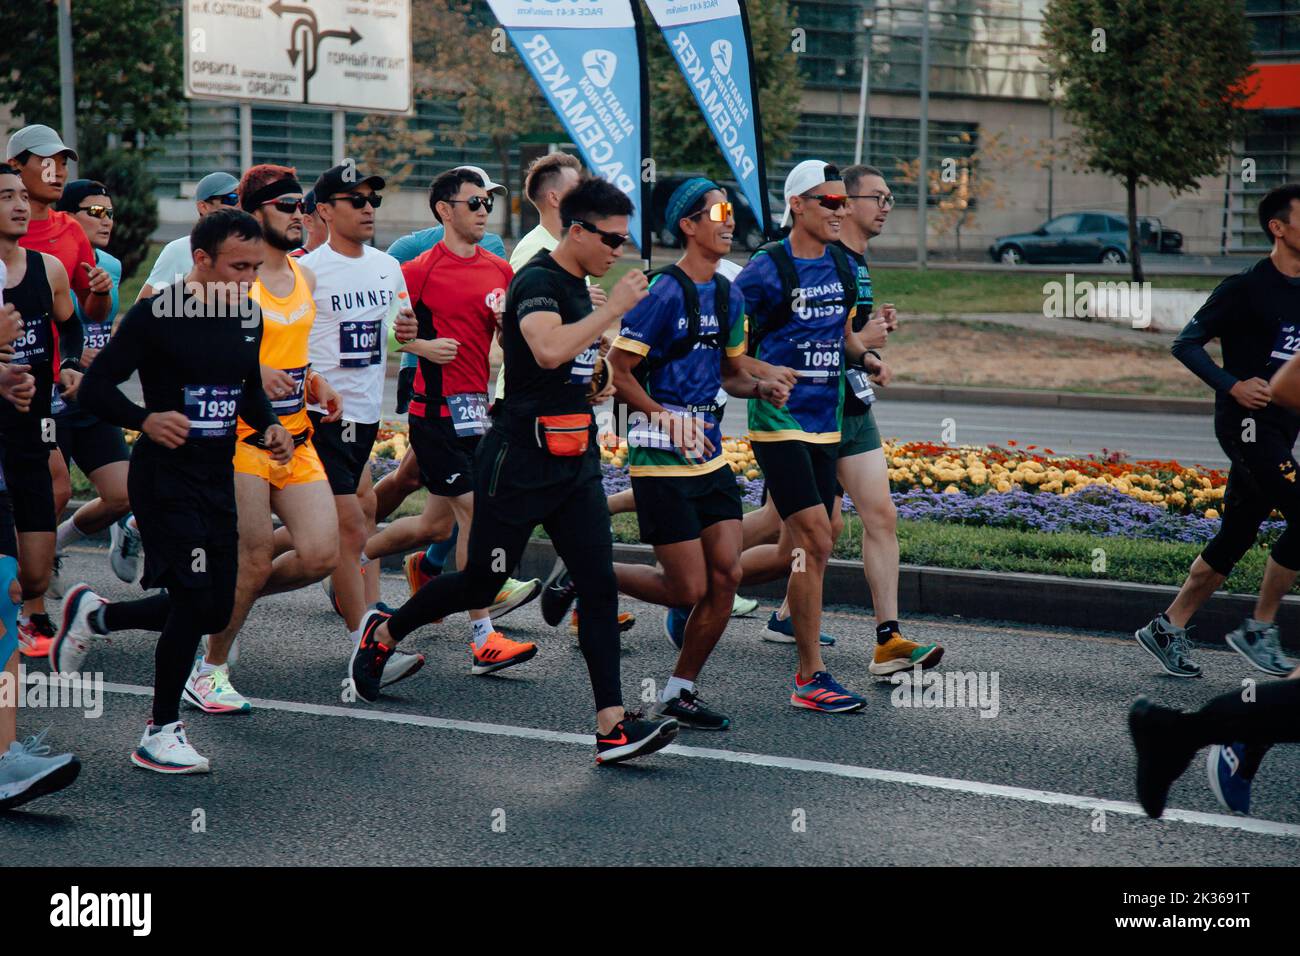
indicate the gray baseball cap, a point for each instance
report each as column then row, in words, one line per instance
column 216, row 184
column 38, row 140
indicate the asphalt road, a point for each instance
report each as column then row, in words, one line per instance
column 423, row 776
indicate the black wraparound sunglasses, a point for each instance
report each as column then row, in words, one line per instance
column 612, row 239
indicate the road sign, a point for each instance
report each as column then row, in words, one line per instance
column 325, row 53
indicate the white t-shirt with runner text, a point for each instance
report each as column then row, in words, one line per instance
column 355, row 300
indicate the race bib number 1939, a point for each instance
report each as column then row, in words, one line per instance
column 211, row 409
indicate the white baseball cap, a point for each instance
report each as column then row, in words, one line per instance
column 809, row 174
column 38, row 140
column 488, row 184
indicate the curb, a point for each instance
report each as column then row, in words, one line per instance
column 1045, row 600
column 1027, row 398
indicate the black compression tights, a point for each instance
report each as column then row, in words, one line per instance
column 1273, row 717
column 182, row 616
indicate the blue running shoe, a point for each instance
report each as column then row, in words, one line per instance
column 675, row 625
column 1223, row 767
column 782, row 632
column 822, row 693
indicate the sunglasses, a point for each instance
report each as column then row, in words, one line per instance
column 97, row 211
column 287, row 205
column 475, row 203
column 229, row 199
column 718, row 212
column 884, row 202
column 831, row 201
column 359, row 202
column 612, row 239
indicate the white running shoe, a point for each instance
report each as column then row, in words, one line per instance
column 71, row 644
column 399, row 666
column 231, row 659
column 125, row 550
column 55, row 588
column 212, row 692
column 28, row 771
column 740, row 606
column 168, row 751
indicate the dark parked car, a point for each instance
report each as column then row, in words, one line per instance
column 1084, row 237
column 748, row 234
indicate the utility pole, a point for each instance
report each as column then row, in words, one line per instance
column 923, row 179
column 67, row 90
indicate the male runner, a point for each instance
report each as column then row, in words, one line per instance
column 861, row 468
column 394, row 488
column 800, row 295
column 195, row 348
column 1255, row 315
column 359, row 294
column 96, row 447
column 218, row 190
column 42, row 158
column 297, row 492
column 315, row 232
column 458, row 289
column 27, row 770
column 539, row 464
column 679, row 347
column 38, row 288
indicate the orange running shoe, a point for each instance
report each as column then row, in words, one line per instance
column 35, row 637
column 416, row 576
column 498, row 652
column 626, row 621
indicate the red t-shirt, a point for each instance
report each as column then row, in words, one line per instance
column 62, row 237
column 452, row 296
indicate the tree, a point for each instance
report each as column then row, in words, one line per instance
column 681, row 139
column 461, row 54
column 961, row 185
column 1156, row 88
column 127, row 62
column 389, row 143
column 127, row 58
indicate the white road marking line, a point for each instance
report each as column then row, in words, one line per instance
column 1045, row 797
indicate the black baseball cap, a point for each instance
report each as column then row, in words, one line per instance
column 343, row 178
column 78, row 190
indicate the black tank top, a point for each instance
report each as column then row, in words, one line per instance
column 34, row 301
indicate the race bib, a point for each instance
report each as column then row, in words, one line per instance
column 97, row 334
column 648, row 433
column 211, row 409
column 468, row 413
column 57, row 404
column 359, row 343
column 1286, row 343
column 32, row 347
column 861, row 385
column 294, row 402
column 584, row 365
column 819, row 362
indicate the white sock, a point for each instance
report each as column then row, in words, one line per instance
column 674, row 686
column 68, row 532
column 130, row 523
column 364, row 559
column 206, row 668
column 355, row 636
column 482, row 631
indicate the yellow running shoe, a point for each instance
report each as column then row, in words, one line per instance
column 900, row 654
column 514, row 594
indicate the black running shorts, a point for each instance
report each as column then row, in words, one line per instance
column 344, row 448
column 676, row 508
column 798, row 474
column 446, row 460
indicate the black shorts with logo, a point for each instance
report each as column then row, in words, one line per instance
column 91, row 446
column 673, row 508
column 798, row 474
column 446, row 459
column 25, row 457
column 344, row 448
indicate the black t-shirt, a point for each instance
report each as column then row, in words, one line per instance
column 1255, row 315
column 543, row 285
column 203, row 365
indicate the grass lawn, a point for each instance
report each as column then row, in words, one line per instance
column 953, row 292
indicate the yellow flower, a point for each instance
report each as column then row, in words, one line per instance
column 951, row 490
column 1209, row 512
